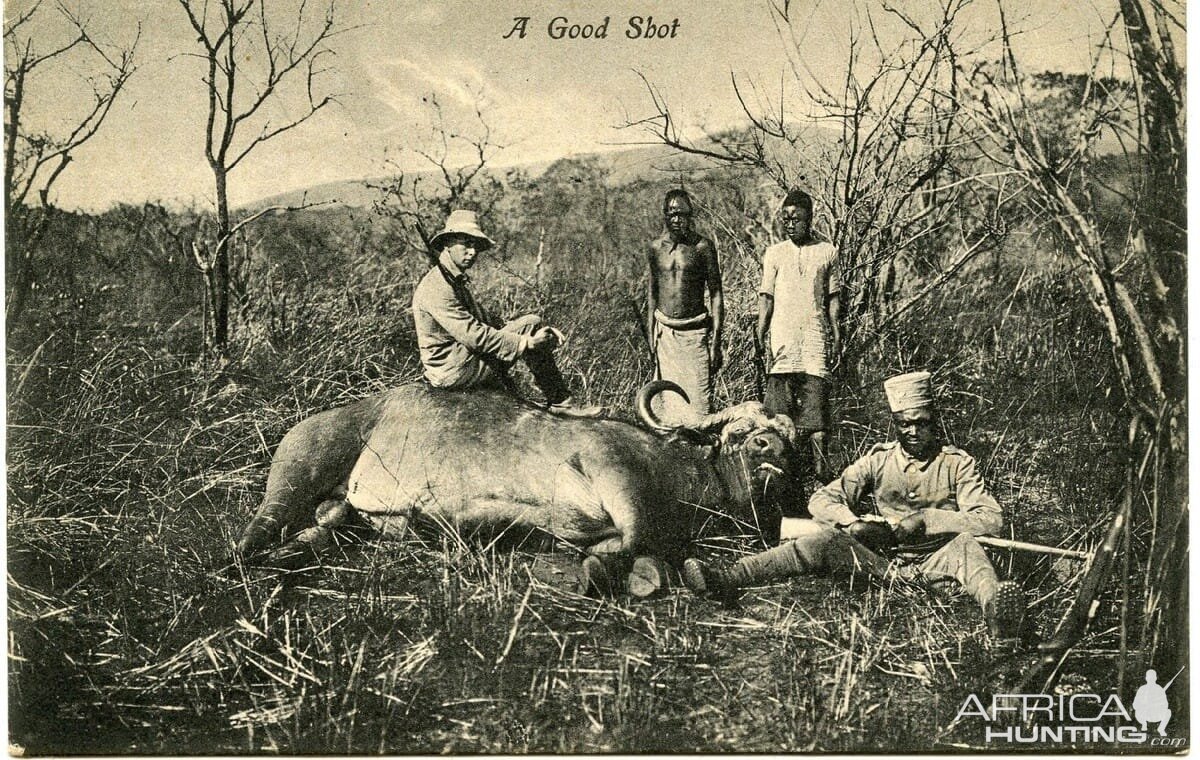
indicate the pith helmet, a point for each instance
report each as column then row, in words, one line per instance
column 462, row 222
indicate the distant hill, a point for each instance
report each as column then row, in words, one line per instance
column 623, row 166
column 651, row 162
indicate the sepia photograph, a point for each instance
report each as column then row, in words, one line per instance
column 413, row 377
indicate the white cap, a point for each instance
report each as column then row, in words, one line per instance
column 909, row 391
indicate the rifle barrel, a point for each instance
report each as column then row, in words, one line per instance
column 1005, row 543
column 1173, row 679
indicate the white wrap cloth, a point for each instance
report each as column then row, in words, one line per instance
column 681, row 356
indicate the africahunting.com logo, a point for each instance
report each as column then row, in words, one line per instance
column 1076, row 718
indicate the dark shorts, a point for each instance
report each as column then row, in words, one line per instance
column 803, row 397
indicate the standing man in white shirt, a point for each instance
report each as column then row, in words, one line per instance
column 798, row 304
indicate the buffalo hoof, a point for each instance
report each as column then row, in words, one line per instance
column 594, row 578
column 648, row 577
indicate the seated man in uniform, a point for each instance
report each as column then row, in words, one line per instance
column 460, row 346
column 929, row 504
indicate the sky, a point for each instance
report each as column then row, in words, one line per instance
column 543, row 98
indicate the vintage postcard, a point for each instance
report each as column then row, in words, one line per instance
column 419, row 376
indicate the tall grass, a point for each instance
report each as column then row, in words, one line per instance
column 132, row 467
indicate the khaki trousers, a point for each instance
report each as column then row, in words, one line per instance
column 822, row 550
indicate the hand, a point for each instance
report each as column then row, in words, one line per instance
column 911, row 528
column 836, row 352
column 715, row 357
column 543, row 339
column 762, row 350
column 872, row 534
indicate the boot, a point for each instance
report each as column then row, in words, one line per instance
column 706, row 581
column 1005, row 614
column 568, row 408
column 778, row 563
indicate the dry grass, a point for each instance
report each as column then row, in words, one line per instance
column 132, row 467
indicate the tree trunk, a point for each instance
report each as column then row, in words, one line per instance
column 10, row 146
column 220, row 310
column 18, row 250
column 1161, row 217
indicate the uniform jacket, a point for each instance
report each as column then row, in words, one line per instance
column 947, row 490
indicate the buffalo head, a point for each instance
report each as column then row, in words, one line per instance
column 754, row 448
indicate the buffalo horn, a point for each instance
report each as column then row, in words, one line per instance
column 647, row 394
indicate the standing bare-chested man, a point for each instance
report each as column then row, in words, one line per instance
column 685, row 334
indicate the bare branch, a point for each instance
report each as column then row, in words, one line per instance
column 248, row 64
column 23, row 168
column 274, row 211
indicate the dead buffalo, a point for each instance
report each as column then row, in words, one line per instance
column 484, row 460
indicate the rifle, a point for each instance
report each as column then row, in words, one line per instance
column 1025, row 546
column 1041, row 677
column 1168, row 684
column 758, row 366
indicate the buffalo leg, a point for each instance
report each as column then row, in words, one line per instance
column 310, row 466
column 307, row 545
column 624, row 555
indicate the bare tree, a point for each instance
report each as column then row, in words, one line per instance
column 875, row 151
column 1134, row 280
column 252, row 53
column 37, row 42
column 457, row 156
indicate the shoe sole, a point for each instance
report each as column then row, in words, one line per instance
column 599, row 413
column 693, row 577
column 647, row 577
column 1009, row 612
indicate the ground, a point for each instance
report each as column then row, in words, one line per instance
column 431, row 645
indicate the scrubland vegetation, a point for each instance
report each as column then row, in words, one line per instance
column 984, row 236
column 133, row 465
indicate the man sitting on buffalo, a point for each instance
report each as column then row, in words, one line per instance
column 460, row 346
column 929, row 504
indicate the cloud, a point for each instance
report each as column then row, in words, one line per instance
column 462, row 84
column 551, row 120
